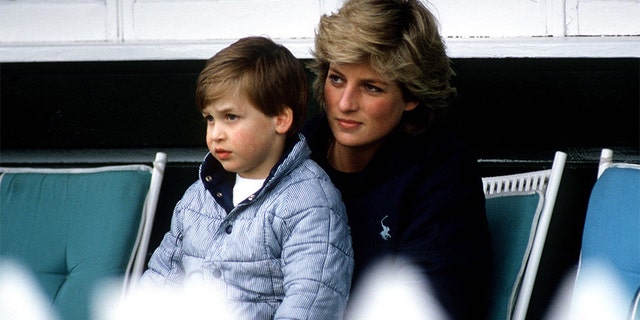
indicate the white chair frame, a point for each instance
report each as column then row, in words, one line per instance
column 547, row 182
column 138, row 259
column 606, row 161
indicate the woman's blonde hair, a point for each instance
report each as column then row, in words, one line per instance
column 401, row 41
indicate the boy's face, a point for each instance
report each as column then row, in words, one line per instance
column 242, row 138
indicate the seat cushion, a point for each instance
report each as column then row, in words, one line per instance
column 512, row 221
column 612, row 226
column 71, row 229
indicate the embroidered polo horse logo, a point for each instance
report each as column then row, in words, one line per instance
column 385, row 230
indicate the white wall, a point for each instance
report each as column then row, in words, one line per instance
column 70, row 30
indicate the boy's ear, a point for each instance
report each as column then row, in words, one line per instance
column 284, row 120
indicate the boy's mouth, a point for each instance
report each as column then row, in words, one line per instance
column 222, row 154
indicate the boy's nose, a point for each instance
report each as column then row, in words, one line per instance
column 215, row 133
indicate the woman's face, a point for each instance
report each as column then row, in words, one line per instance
column 362, row 106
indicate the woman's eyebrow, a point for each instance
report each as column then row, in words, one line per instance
column 373, row 79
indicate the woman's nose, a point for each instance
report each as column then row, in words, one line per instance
column 347, row 100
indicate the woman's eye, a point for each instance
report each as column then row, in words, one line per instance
column 371, row 88
column 334, row 78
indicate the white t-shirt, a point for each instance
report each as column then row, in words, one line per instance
column 244, row 188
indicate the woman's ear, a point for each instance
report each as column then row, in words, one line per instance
column 410, row 105
column 284, row 120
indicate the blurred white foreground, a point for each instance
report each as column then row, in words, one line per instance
column 600, row 296
column 194, row 301
column 21, row 298
column 394, row 290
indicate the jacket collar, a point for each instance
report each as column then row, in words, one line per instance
column 220, row 182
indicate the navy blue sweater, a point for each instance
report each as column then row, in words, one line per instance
column 420, row 198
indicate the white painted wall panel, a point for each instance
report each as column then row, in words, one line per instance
column 491, row 18
column 224, row 19
column 70, row 30
column 57, row 21
column 603, row 17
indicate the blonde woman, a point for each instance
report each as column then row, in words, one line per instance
column 410, row 187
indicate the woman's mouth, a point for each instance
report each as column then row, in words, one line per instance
column 347, row 124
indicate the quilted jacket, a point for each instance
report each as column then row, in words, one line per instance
column 283, row 253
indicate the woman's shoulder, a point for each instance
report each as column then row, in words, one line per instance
column 317, row 132
column 312, row 124
column 437, row 145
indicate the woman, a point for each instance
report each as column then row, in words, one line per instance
column 411, row 188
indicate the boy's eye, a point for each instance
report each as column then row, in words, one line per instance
column 231, row 117
column 208, row 118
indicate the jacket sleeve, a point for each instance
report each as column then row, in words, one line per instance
column 317, row 258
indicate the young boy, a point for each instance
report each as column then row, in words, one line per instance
column 263, row 223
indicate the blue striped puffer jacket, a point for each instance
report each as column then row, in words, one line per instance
column 283, row 253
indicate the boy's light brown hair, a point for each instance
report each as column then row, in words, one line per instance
column 270, row 76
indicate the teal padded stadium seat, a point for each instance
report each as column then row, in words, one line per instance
column 512, row 221
column 519, row 209
column 74, row 228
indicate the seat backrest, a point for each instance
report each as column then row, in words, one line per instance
column 519, row 209
column 74, row 228
column 512, row 221
column 611, row 234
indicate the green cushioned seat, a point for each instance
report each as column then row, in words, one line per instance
column 72, row 229
column 512, row 221
column 519, row 209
